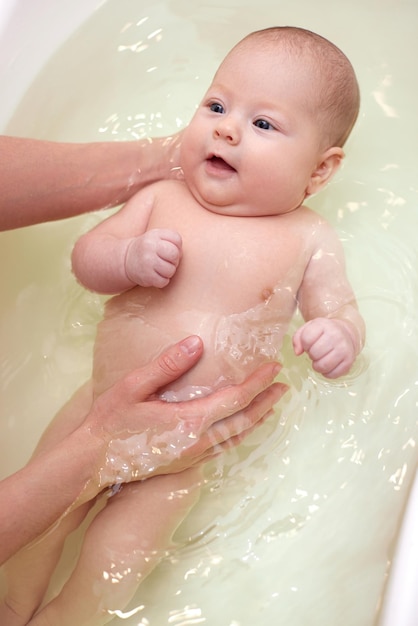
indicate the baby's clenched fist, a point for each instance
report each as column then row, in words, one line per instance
column 152, row 259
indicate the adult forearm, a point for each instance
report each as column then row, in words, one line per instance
column 44, row 180
column 36, row 496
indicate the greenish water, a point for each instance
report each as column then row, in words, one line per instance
column 298, row 525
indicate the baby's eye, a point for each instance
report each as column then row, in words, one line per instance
column 263, row 124
column 216, row 107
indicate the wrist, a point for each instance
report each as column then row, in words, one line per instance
column 162, row 157
column 356, row 335
column 86, row 451
column 353, row 322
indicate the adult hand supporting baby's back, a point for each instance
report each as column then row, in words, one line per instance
column 142, row 436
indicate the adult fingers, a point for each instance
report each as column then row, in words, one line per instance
column 167, row 367
column 234, row 429
column 237, row 426
column 228, row 400
column 217, row 449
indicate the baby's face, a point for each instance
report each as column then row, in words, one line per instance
column 254, row 142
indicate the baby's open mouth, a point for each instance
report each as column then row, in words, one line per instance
column 220, row 164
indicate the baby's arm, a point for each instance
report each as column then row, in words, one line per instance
column 120, row 253
column 333, row 334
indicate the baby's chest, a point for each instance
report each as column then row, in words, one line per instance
column 238, row 260
column 252, row 268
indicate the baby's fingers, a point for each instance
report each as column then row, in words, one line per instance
column 172, row 236
column 306, row 336
column 297, row 342
column 169, row 253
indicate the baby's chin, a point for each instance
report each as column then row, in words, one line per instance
column 223, row 203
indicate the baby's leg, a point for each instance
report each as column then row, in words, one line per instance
column 29, row 571
column 125, row 541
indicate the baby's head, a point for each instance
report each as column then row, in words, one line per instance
column 270, row 129
column 332, row 87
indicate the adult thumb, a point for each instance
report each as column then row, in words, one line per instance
column 168, row 366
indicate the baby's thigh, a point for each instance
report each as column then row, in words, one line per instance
column 123, row 343
column 133, row 532
column 68, row 418
column 143, row 516
column 126, row 540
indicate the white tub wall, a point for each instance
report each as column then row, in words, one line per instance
column 30, row 31
column 401, row 599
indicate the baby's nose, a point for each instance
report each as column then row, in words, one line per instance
column 227, row 129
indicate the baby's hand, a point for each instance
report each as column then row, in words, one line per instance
column 152, row 259
column 329, row 344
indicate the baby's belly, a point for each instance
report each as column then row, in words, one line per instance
column 133, row 332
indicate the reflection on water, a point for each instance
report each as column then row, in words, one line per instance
column 297, row 526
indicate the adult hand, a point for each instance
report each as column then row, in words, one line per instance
column 128, row 435
column 48, row 180
column 142, row 436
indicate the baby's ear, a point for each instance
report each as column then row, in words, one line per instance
column 329, row 163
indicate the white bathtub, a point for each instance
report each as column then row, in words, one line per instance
column 24, row 49
column 30, row 32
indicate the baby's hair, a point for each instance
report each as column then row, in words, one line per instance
column 338, row 90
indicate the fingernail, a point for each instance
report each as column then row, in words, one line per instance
column 191, row 345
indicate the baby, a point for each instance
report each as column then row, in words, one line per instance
column 228, row 253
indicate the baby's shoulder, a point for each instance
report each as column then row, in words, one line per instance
column 320, row 233
column 167, row 186
column 313, row 231
column 315, row 223
column 167, row 192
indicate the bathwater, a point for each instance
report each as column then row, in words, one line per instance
column 298, row 526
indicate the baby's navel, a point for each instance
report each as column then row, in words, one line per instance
column 266, row 294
